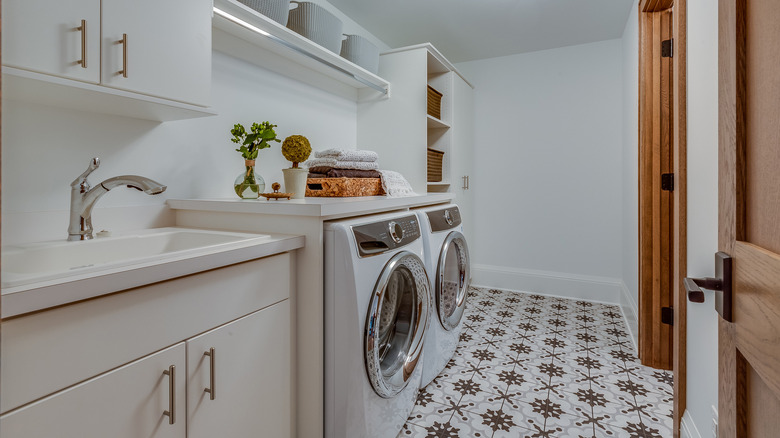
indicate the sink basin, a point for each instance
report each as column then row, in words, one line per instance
column 61, row 260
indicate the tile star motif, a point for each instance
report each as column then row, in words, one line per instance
column 529, row 365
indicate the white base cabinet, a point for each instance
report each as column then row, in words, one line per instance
column 103, row 367
column 124, row 403
column 239, row 375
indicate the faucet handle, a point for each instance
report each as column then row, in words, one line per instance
column 94, row 163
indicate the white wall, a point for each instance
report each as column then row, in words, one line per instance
column 630, row 250
column 702, row 207
column 547, row 181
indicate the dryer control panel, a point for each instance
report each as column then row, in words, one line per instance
column 444, row 219
column 378, row 237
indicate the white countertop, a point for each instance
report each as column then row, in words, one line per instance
column 103, row 279
column 325, row 208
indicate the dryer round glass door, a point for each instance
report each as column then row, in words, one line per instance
column 396, row 322
column 452, row 280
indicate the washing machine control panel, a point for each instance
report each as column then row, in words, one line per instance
column 444, row 219
column 378, row 237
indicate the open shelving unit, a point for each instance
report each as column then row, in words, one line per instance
column 246, row 34
column 439, row 130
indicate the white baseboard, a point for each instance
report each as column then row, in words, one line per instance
column 630, row 313
column 591, row 288
column 688, row 427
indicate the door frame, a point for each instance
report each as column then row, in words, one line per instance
column 679, row 197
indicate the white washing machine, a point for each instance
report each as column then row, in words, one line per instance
column 377, row 304
column 449, row 268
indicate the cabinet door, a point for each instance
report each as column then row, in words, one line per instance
column 167, row 52
column 463, row 153
column 127, row 402
column 43, row 36
column 249, row 376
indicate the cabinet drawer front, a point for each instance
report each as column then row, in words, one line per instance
column 45, row 352
column 251, row 377
column 43, row 37
column 124, row 403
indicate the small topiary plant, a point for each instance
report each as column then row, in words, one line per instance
column 296, row 148
column 251, row 143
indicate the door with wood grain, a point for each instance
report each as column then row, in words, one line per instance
column 749, row 216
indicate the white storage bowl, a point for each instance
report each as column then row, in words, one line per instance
column 361, row 51
column 317, row 24
column 277, row 10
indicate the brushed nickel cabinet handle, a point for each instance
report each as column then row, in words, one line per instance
column 212, row 389
column 123, row 42
column 171, row 412
column 83, row 29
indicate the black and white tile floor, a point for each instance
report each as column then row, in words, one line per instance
column 536, row 366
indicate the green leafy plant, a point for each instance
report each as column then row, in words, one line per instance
column 296, row 148
column 252, row 142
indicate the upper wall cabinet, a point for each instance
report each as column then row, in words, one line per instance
column 55, row 37
column 166, row 50
column 146, row 59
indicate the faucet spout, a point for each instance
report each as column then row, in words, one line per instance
column 146, row 185
column 83, row 198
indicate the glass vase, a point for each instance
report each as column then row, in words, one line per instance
column 249, row 185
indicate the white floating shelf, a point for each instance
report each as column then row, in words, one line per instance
column 433, row 122
column 28, row 86
column 258, row 30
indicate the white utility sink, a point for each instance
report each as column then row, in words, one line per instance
column 62, row 260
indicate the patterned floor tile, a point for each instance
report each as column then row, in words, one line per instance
column 530, row 365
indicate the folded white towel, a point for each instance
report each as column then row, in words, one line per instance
column 395, row 185
column 320, row 162
column 348, row 155
column 359, row 165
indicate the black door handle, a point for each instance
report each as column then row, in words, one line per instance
column 694, row 285
column 721, row 284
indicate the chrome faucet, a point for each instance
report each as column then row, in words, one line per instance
column 83, row 197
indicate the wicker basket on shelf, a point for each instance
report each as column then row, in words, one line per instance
column 344, row 187
column 434, row 102
column 434, row 165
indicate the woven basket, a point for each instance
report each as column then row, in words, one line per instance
column 344, row 187
column 434, row 165
column 277, row 10
column 314, row 22
column 434, row 102
column 361, row 51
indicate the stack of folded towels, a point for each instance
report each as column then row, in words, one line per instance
column 341, row 163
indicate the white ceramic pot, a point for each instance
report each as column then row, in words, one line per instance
column 295, row 181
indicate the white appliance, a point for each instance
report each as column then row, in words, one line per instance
column 449, row 267
column 376, row 312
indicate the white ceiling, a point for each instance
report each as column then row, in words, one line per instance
column 465, row 30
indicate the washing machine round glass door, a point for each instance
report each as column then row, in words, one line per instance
column 396, row 322
column 452, row 280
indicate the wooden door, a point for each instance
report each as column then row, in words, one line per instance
column 656, row 214
column 168, row 48
column 250, row 376
column 46, row 37
column 128, row 402
column 749, row 216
